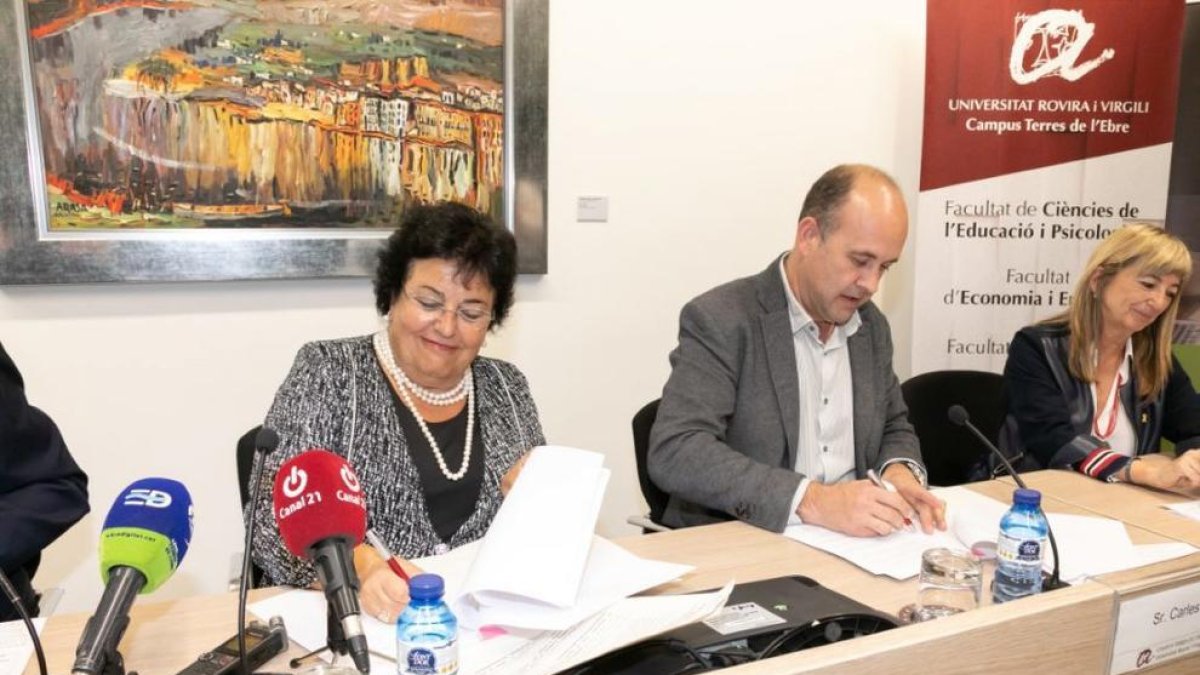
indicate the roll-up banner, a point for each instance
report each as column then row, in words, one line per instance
column 1047, row 126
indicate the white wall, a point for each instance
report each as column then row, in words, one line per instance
column 703, row 123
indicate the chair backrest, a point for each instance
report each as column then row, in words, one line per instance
column 245, row 462
column 951, row 451
column 642, row 422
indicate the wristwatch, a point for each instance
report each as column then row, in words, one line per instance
column 915, row 467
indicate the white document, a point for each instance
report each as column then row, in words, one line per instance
column 540, row 567
column 1078, row 566
column 538, row 544
column 898, row 555
column 1089, row 545
column 303, row 613
column 1188, row 509
column 16, row 649
column 611, row 574
column 626, row 622
column 516, row 652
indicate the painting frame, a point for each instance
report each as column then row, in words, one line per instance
column 31, row 255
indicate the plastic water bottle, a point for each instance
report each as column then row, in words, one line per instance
column 1020, row 548
column 426, row 632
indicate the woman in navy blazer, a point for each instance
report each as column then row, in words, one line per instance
column 1096, row 388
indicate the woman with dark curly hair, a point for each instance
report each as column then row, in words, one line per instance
column 435, row 432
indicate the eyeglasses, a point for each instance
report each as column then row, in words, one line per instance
column 434, row 308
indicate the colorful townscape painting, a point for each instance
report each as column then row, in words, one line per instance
column 174, row 114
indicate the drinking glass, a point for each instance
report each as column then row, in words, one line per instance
column 950, row 582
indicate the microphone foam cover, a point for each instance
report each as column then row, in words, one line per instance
column 958, row 414
column 148, row 528
column 317, row 496
column 266, row 440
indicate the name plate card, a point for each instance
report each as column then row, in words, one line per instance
column 1155, row 628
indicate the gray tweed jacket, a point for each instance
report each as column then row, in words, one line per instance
column 724, row 442
column 336, row 397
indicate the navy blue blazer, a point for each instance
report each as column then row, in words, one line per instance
column 1050, row 411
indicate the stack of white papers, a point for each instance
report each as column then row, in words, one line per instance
column 508, row 652
column 1089, row 546
column 611, row 573
column 540, row 566
column 628, row 621
column 526, row 592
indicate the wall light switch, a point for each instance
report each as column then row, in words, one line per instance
column 592, row 210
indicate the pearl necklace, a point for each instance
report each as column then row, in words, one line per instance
column 383, row 351
column 439, row 398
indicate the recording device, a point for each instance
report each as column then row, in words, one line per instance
column 145, row 536
column 959, row 416
column 14, row 597
column 263, row 642
column 265, row 442
column 322, row 515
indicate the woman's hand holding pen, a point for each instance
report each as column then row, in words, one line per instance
column 383, row 592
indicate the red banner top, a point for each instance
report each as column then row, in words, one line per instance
column 1012, row 85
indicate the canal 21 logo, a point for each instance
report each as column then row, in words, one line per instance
column 1059, row 37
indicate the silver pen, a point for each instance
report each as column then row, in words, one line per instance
column 878, row 482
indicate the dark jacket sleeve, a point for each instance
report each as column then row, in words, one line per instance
column 1181, row 410
column 1042, row 412
column 1035, row 400
column 43, row 492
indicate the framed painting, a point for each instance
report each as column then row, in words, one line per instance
column 163, row 140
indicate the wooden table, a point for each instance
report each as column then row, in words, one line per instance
column 164, row 637
column 995, row 639
column 1141, row 508
column 1132, row 504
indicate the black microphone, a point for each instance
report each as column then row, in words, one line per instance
column 265, row 442
column 959, row 416
column 15, row 598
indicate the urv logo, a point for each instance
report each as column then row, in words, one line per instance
column 155, row 499
column 1058, row 36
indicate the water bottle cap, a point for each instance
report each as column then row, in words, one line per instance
column 1027, row 497
column 426, row 587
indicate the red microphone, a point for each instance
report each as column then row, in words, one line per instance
column 322, row 514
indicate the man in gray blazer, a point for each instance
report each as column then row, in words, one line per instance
column 782, row 394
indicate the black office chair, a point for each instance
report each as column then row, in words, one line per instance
column 655, row 497
column 245, row 462
column 952, row 453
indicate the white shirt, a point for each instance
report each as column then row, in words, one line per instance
column 825, row 451
column 1123, row 439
